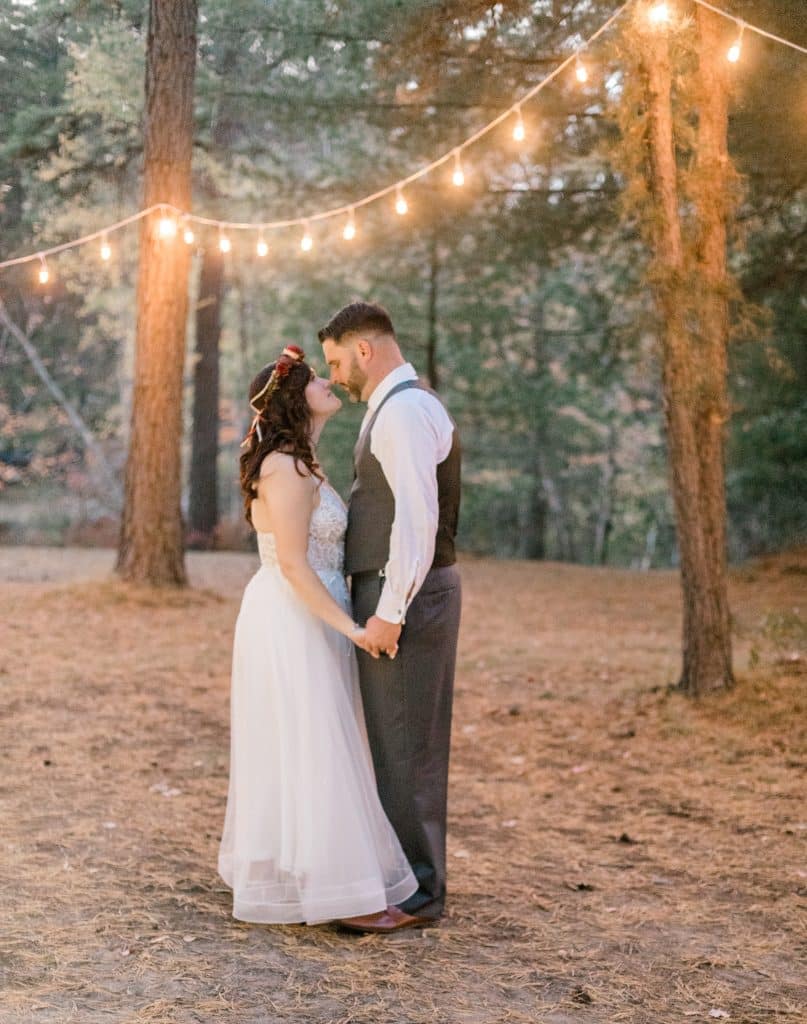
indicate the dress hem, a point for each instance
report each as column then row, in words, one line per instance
column 327, row 910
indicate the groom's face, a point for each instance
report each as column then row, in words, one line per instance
column 344, row 366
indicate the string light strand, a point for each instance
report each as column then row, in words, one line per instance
column 85, row 238
column 173, row 215
column 396, row 188
column 748, row 27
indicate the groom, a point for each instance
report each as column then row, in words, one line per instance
column 399, row 551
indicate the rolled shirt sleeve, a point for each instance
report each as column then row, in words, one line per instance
column 411, row 436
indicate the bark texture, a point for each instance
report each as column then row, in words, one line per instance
column 693, row 337
column 203, row 504
column 151, row 541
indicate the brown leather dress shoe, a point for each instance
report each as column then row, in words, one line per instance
column 390, row 920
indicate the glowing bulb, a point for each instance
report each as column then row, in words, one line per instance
column 736, row 49
column 224, row 243
column 306, row 242
column 581, row 72
column 401, row 205
column 167, row 227
column 106, row 250
column 188, row 236
column 458, row 176
column 261, row 247
column 349, row 232
column 44, row 274
column 659, row 14
column 519, row 132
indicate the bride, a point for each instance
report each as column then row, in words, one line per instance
column 305, row 838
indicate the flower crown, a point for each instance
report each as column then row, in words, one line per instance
column 290, row 356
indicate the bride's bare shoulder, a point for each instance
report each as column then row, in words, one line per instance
column 282, row 466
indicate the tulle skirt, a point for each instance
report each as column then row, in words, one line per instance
column 305, row 837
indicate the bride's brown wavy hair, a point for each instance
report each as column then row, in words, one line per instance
column 282, row 423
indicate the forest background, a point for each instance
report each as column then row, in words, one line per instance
column 522, row 296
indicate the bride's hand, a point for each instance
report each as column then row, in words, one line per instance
column 359, row 638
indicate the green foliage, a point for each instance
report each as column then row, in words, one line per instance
column 544, row 339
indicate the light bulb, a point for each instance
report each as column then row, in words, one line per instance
column 167, row 227
column 261, row 247
column 306, row 242
column 519, row 132
column 659, row 14
column 458, row 177
column 188, row 236
column 401, row 205
column 736, row 49
column 224, row 243
column 581, row 72
column 106, row 250
column 349, row 232
column 44, row 274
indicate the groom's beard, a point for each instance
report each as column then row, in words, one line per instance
column 356, row 380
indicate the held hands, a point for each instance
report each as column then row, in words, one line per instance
column 381, row 637
column 377, row 637
column 359, row 638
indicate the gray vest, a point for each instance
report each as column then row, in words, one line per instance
column 372, row 505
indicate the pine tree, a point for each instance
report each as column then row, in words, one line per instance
column 151, row 541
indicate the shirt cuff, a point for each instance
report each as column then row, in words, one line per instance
column 391, row 608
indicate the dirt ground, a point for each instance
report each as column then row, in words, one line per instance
column 616, row 852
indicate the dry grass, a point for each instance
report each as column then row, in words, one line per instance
column 616, row 852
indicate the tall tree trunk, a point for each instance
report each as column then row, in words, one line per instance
column 431, row 341
column 688, row 380
column 605, row 515
column 533, row 537
column 203, row 505
column 533, row 544
column 707, row 660
column 151, row 545
column 203, row 497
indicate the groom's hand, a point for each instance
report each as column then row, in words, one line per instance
column 382, row 636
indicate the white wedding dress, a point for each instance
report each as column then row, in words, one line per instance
column 305, row 836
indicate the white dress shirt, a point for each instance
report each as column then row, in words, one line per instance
column 411, row 436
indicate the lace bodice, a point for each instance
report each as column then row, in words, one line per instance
column 326, row 536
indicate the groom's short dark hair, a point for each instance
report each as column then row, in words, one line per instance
column 357, row 318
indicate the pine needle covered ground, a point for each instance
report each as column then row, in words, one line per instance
column 616, row 853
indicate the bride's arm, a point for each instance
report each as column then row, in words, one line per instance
column 288, row 500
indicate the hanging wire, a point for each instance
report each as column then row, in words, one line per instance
column 397, row 187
